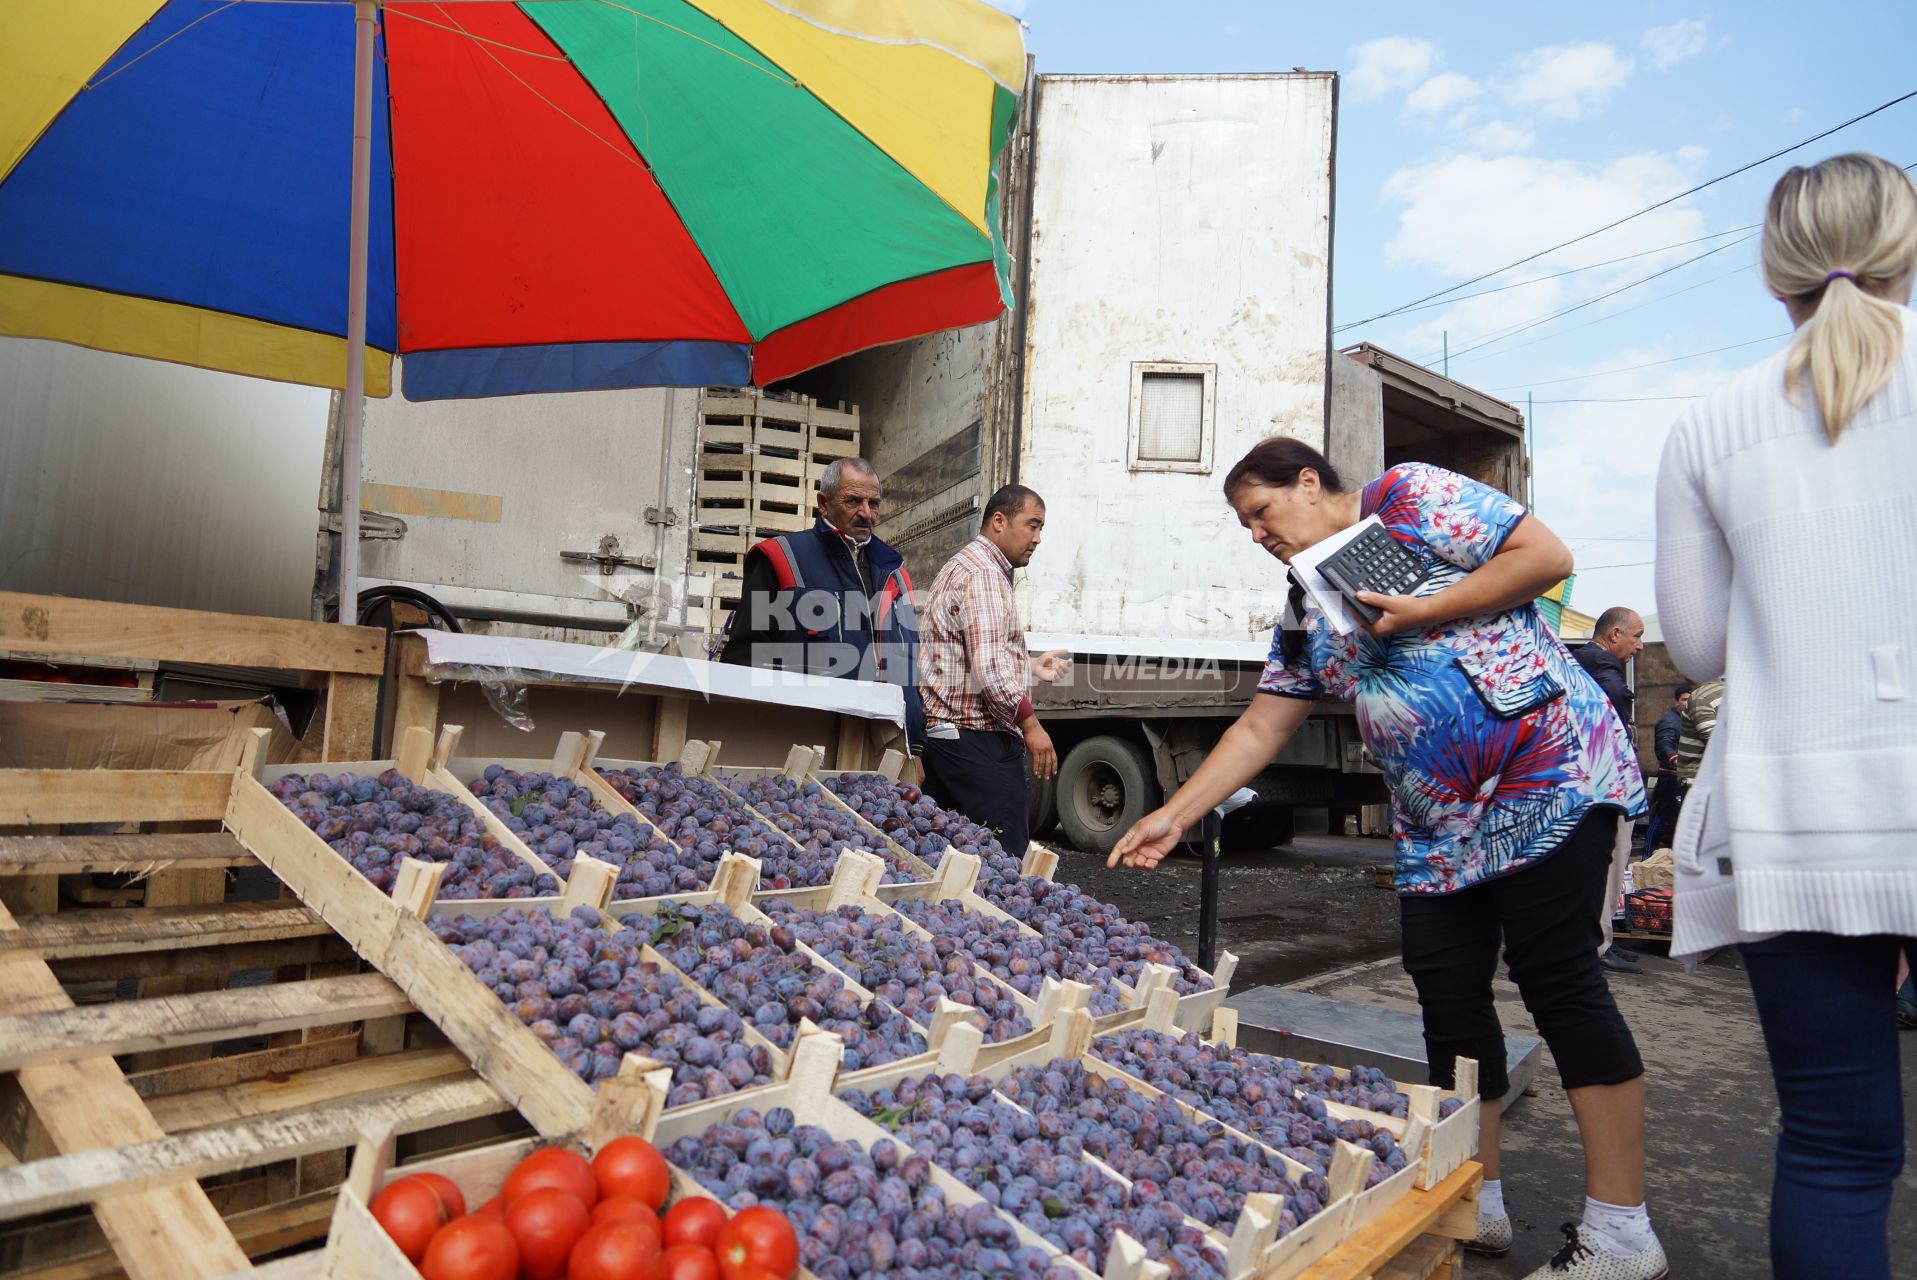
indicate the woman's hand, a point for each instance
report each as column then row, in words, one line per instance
column 1401, row 613
column 1149, row 841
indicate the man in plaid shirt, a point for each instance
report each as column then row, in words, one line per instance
column 974, row 674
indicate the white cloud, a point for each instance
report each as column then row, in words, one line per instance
column 1793, row 115
column 1389, row 63
column 1496, row 137
column 1679, row 42
column 1568, row 80
column 1469, row 213
column 1441, row 94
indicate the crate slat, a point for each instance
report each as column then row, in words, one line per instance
column 168, row 1022
column 96, row 933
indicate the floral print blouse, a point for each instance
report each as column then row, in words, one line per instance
column 1494, row 742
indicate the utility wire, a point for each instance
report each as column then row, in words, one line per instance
column 1745, row 168
column 1557, row 275
column 1632, row 368
column 1635, row 306
column 1514, row 330
column 1617, row 399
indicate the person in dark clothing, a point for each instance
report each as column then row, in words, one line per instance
column 1664, row 796
column 833, row 600
column 1619, row 637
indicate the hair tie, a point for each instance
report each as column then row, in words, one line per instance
column 1840, row 275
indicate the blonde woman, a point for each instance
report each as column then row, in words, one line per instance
column 1787, row 563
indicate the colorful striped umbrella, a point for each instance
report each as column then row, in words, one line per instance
column 565, row 194
column 550, row 195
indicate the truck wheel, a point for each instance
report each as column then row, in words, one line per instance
column 1104, row 786
column 1041, row 806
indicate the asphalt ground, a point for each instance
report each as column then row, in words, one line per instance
column 1310, row 916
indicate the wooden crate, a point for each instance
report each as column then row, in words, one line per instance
column 346, row 661
column 422, row 760
column 210, row 1109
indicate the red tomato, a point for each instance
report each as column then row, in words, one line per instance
column 493, row 1208
column 411, row 1212
column 691, row 1262
column 546, row 1223
column 624, row 1208
column 551, row 1167
column 472, row 1248
column 617, row 1251
column 633, row 1167
column 694, row 1220
column 451, row 1198
column 757, row 1239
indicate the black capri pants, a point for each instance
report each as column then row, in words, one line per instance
column 1547, row 914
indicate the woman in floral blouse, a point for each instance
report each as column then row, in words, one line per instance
column 1508, row 774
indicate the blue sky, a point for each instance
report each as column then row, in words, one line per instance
column 1473, row 135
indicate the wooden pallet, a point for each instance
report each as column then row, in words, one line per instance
column 206, row 1117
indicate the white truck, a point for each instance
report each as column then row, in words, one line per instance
column 1174, row 238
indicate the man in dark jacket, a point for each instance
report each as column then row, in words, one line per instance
column 1664, row 796
column 833, row 600
column 1619, row 638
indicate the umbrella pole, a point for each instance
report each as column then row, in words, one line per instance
column 353, row 401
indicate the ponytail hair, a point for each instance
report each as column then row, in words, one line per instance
column 1831, row 231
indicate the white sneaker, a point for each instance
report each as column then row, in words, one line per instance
column 1494, row 1238
column 1583, row 1258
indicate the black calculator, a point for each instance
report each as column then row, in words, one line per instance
column 1373, row 561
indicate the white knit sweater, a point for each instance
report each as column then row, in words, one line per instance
column 1788, row 565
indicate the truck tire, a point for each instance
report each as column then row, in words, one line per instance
column 1104, row 786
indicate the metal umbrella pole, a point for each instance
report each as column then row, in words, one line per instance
column 1205, row 840
column 353, row 399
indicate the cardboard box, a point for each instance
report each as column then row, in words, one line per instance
column 151, row 735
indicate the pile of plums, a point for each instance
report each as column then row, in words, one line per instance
column 1165, row 1153
column 375, row 823
column 858, row 1212
column 820, row 828
column 560, row 820
column 902, row 968
column 996, row 1149
column 1020, row 959
column 914, row 819
column 1272, row 1099
column 760, row 973
column 585, row 992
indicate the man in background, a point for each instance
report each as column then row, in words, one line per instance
column 1619, row 638
column 975, row 675
column 1695, row 727
column 832, row 600
column 1664, row 796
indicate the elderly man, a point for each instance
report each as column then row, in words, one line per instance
column 833, row 600
column 1619, row 637
column 979, row 717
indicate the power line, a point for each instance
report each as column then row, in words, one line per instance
column 1635, row 306
column 1514, row 330
column 1662, row 297
column 1632, row 368
column 1556, row 275
column 1628, row 564
column 1618, row 399
column 1745, row 168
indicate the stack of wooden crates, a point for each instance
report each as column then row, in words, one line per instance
column 760, row 458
